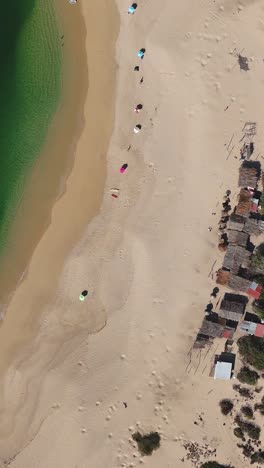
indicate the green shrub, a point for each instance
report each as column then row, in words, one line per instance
column 258, row 457
column 238, row 432
column 247, row 411
column 247, row 376
column 252, row 350
column 257, row 260
column 214, row 464
column 147, row 443
column 260, row 406
column 252, row 430
column 226, row 406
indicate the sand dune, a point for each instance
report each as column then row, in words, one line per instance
column 148, row 256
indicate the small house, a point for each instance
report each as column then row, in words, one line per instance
column 259, row 330
column 236, row 222
column 254, row 290
column 237, row 238
column 237, row 283
column 248, row 327
column 211, row 329
column 223, row 370
column 235, row 258
column 232, row 307
column 249, row 174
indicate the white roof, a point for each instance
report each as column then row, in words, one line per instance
column 223, row 370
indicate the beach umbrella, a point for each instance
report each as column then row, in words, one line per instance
column 123, row 168
column 137, row 128
column 141, row 53
column 132, row 8
column 83, row 295
column 138, row 108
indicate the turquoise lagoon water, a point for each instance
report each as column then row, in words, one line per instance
column 30, row 88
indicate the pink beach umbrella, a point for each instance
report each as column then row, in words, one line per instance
column 123, row 168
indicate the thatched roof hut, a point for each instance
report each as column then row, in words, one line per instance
column 249, row 174
column 237, row 238
column 233, row 307
column 254, row 226
column 211, row 329
column 237, row 283
column 236, row 222
column 244, row 203
column 235, row 258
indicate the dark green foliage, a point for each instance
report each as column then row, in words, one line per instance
column 258, row 457
column 258, row 307
column 214, row 464
column 243, row 391
column 247, row 411
column 248, row 376
column 252, row 430
column 257, row 260
column 147, row 443
column 260, row 406
column 226, row 406
column 252, row 350
column 238, row 432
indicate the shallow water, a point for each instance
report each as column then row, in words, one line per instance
column 30, row 87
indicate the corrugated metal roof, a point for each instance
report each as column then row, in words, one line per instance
column 259, row 330
column 223, row 370
column 249, row 327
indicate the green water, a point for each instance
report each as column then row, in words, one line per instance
column 30, row 87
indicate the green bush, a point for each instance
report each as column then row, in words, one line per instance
column 252, row 350
column 147, row 443
column 247, row 376
column 260, row 406
column 247, row 411
column 251, row 429
column 238, row 432
column 257, row 260
column 226, row 406
column 258, row 457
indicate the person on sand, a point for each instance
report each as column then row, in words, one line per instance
column 210, row 228
column 132, row 9
column 123, row 168
column 138, row 108
column 83, row 295
column 141, row 53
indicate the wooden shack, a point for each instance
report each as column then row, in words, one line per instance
column 236, row 222
column 249, row 174
column 236, row 257
column 232, row 307
column 244, row 202
column 211, row 329
column 237, row 238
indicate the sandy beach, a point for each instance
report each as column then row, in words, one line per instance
column 147, row 257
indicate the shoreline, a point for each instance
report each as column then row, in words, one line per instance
column 39, row 275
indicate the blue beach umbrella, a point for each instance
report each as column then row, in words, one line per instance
column 132, row 8
column 141, row 53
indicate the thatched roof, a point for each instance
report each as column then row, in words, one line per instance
column 237, row 238
column 254, row 226
column 249, row 174
column 235, row 258
column 211, row 329
column 237, row 283
column 222, row 277
column 244, row 203
column 236, row 222
column 232, row 307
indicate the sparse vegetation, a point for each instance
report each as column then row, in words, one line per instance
column 262, row 203
column 147, row 443
column 257, row 260
column 238, row 432
column 226, row 406
column 243, row 391
column 214, row 464
column 258, row 307
column 260, row 406
column 251, row 429
column 247, row 411
column 252, row 350
column 248, row 376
